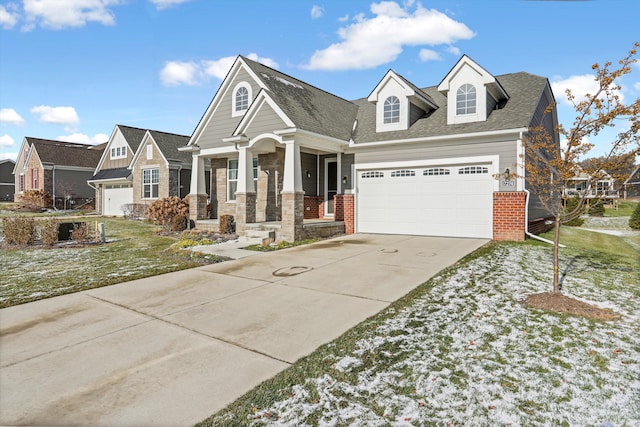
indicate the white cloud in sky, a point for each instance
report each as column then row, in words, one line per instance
column 9, row 115
column 57, row 115
column 369, row 42
column 429, row 55
column 59, row 14
column 11, row 156
column 6, row 141
column 344, row 18
column 82, row 138
column 8, row 18
column 579, row 85
column 636, row 86
column 453, row 50
column 192, row 73
column 164, row 4
column 317, row 11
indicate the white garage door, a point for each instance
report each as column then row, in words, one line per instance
column 114, row 197
column 446, row 200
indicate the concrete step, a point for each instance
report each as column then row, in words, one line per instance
column 259, row 234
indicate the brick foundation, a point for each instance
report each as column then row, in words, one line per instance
column 312, row 205
column 509, row 215
column 344, row 211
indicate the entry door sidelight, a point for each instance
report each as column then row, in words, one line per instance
column 331, row 185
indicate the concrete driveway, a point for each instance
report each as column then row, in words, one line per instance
column 173, row 349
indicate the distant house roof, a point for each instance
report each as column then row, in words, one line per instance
column 61, row 153
column 168, row 143
column 634, row 177
column 7, row 161
column 111, row 174
column 310, row 108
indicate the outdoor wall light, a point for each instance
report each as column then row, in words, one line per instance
column 307, row 173
column 507, row 174
column 345, row 179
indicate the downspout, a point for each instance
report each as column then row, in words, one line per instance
column 526, row 208
column 53, row 178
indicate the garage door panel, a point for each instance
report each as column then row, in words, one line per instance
column 459, row 205
column 115, row 198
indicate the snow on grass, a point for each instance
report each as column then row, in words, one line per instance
column 468, row 352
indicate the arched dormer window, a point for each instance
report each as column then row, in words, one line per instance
column 466, row 100
column 391, row 110
column 240, row 99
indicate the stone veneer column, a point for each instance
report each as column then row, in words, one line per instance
column 509, row 215
column 245, row 211
column 198, row 193
column 292, row 216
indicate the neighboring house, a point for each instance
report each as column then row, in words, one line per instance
column 581, row 186
column 139, row 166
column 632, row 185
column 444, row 160
column 7, row 181
column 58, row 168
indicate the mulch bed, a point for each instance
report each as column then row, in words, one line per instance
column 555, row 301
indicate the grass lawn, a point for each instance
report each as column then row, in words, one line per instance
column 133, row 251
column 625, row 208
column 462, row 349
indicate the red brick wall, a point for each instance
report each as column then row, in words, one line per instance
column 509, row 215
column 344, row 211
column 312, row 206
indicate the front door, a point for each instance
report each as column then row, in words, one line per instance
column 330, row 185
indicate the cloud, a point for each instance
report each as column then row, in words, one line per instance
column 8, row 19
column 317, row 12
column 9, row 115
column 6, row 141
column 453, row 50
column 429, row 55
column 192, row 73
column 344, row 18
column 81, row 138
column 579, row 85
column 164, row 4
column 370, row 42
column 57, row 115
column 59, row 14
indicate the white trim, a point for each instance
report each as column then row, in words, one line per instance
column 262, row 98
column 326, row 185
column 234, row 112
column 520, row 166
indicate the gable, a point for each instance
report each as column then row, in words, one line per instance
column 263, row 118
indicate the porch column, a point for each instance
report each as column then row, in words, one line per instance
column 246, row 192
column 292, row 193
column 198, row 193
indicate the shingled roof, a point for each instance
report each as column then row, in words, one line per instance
column 309, row 108
column 524, row 90
column 168, row 143
column 61, row 153
column 132, row 135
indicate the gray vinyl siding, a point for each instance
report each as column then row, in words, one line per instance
column 506, row 150
column 73, row 183
column 222, row 124
column 116, row 163
column 266, row 120
column 491, row 104
column 309, row 163
column 346, row 170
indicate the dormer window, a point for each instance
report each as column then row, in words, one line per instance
column 391, row 110
column 241, row 97
column 466, row 100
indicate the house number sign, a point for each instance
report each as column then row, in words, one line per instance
column 508, row 182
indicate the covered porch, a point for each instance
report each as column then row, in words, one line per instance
column 291, row 183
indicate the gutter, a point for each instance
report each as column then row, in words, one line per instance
column 526, row 211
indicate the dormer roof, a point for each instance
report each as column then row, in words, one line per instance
column 492, row 84
column 415, row 95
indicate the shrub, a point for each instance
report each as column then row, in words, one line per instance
column 634, row 221
column 569, row 206
column 49, row 232
column 36, row 198
column 227, row 224
column 597, row 209
column 179, row 223
column 134, row 210
column 80, row 232
column 19, row 231
column 164, row 211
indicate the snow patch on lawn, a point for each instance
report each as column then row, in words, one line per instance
column 468, row 352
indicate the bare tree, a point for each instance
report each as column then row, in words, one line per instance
column 548, row 169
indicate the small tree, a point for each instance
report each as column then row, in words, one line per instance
column 549, row 169
column 634, row 221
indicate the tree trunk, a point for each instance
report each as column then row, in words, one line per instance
column 556, row 257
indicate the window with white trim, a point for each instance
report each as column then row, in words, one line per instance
column 469, row 170
column 34, row 179
column 436, row 171
column 118, row 152
column 242, row 99
column 150, row 183
column 22, row 183
column 403, row 172
column 232, row 180
column 466, row 100
column 373, row 174
column 391, row 112
column 255, row 168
